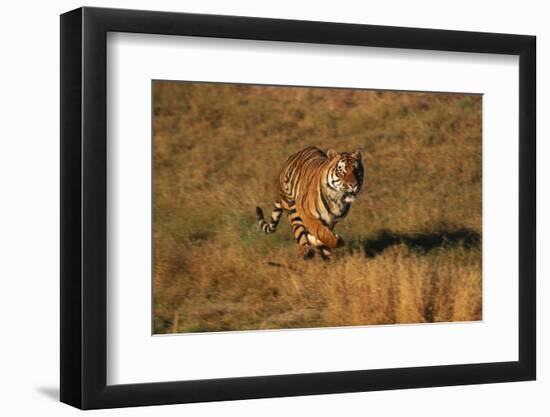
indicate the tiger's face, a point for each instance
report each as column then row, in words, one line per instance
column 345, row 174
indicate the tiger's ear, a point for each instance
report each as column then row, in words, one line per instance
column 357, row 154
column 331, row 153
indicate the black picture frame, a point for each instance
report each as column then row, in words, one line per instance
column 84, row 207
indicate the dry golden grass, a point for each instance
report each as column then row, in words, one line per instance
column 413, row 237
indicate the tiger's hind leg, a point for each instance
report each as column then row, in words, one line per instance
column 300, row 233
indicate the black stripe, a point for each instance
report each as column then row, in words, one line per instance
column 324, row 201
column 291, row 211
column 328, row 182
column 294, row 229
column 303, row 232
column 278, row 209
column 296, row 219
column 324, row 223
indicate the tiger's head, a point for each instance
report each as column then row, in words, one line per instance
column 345, row 174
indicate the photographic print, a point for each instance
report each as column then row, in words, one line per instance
column 282, row 207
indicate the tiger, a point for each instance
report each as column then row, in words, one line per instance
column 316, row 189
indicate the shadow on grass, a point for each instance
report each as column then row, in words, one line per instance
column 422, row 242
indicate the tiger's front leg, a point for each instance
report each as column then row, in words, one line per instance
column 325, row 235
column 322, row 237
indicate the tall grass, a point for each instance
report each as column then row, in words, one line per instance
column 217, row 152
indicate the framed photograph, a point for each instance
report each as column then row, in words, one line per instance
column 257, row 208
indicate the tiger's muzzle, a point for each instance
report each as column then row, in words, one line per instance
column 349, row 197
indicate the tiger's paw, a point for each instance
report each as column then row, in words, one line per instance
column 339, row 241
column 307, row 252
column 325, row 253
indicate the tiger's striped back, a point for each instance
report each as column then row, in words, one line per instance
column 299, row 171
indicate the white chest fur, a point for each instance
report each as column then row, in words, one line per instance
column 338, row 206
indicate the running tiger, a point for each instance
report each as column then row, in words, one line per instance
column 316, row 191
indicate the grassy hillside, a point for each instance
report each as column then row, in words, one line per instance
column 413, row 237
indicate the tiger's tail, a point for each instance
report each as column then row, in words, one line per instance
column 275, row 217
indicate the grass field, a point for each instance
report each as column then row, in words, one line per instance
column 413, row 237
